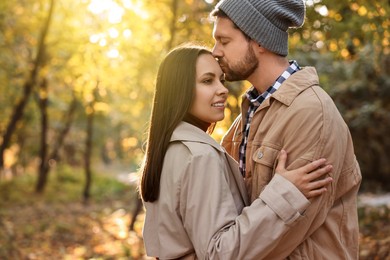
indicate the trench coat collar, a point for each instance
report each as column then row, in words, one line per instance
column 187, row 132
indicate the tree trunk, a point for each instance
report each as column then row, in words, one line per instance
column 68, row 119
column 42, row 102
column 27, row 88
column 88, row 145
column 45, row 167
column 172, row 27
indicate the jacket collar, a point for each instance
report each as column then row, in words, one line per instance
column 190, row 133
column 295, row 84
column 291, row 87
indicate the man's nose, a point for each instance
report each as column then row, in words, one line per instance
column 216, row 52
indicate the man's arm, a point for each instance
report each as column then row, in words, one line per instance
column 321, row 132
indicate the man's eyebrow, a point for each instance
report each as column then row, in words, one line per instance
column 220, row 37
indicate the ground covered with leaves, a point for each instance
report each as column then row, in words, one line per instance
column 56, row 225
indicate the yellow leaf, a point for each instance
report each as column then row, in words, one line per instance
column 362, row 11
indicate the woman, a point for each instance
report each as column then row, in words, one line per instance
column 195, row 198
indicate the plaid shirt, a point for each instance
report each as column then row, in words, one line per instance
column 255, row 101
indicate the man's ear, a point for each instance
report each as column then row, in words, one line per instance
column 257, row 47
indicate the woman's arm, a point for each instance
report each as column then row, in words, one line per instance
column 218, row 229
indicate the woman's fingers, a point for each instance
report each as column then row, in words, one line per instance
column 314, row 165
column 317, row 188
column 309, row 179
column 315, row 193
column 320, row 183
column 311, row 168
column 319, row 172
column 281, row 167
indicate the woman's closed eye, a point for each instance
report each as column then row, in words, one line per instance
column 207, row 81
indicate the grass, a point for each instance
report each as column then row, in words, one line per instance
column 57, row 225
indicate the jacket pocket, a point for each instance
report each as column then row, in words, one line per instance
column 264, row 162
column 266, row 155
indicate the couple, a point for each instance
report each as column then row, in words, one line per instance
column 203, row 204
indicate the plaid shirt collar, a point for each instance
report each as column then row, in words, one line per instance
column 256, row 99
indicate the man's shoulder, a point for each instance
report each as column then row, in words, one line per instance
column 317, row 99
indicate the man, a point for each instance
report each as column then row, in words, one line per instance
column 286, row 108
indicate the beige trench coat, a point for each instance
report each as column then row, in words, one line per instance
column 201, row 212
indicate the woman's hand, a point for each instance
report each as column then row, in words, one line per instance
column 306, row 178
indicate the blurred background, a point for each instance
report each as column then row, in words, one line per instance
column 76, row 86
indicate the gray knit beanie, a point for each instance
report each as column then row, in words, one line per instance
column 266, row 21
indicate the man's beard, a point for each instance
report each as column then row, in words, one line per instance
column 242, row 69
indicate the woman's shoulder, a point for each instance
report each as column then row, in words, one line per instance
column 186, row 148
column 194, row 139
column 184, row 157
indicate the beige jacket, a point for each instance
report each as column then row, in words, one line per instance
column 201, row 213
column 301, row 118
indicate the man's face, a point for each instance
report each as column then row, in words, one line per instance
column 233, row 51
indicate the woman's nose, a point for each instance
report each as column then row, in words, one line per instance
column 222, row 89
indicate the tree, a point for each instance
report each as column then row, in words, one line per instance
column 47, row 160
column 28, row 87
column 90, row 111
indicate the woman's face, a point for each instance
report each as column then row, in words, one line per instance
column 210, row 92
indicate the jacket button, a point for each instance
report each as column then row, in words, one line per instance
column 260, row 155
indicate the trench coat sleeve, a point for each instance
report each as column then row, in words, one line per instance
column 213, row 221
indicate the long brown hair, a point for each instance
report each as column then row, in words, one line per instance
column 174, row 92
